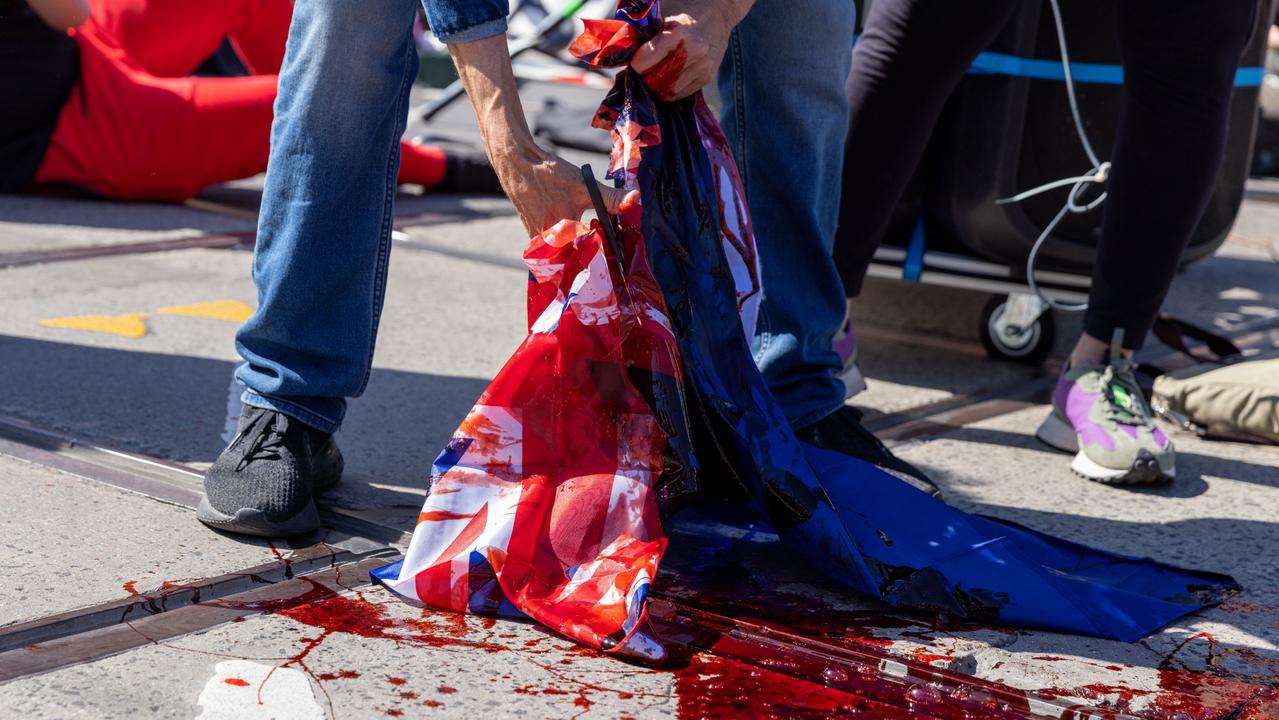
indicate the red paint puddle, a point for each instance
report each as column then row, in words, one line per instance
column 1185, row 694
column 321, row 607
column 714, row 688
column 1202, row 690
column 777, row 685
column 238, row 682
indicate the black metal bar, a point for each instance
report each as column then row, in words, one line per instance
column 606, row 220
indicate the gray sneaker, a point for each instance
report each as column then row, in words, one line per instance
column 263, row 482
column 1100, row 414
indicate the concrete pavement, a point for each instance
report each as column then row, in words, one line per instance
column 455, row 310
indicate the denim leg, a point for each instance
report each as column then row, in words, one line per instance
column 786, row 118
column 324, row 232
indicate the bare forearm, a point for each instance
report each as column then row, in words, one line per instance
column 485, row 69
column 61, row 14
column 543, row 188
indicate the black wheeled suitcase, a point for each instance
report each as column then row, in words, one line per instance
column 1008, row 127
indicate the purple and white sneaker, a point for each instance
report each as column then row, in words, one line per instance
column 1100, row 414
column 845, row 346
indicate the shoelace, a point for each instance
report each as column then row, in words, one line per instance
column 1125, row 402
column 266, row 435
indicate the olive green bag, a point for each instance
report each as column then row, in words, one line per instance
column 1236, row 401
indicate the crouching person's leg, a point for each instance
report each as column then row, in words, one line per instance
column 786, row 118
column 320, row 262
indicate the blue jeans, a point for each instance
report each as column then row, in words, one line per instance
column 786, row 118
column 324, row 232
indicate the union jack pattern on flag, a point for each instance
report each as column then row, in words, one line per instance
column 635, row 393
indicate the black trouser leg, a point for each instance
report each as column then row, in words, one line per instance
column 1179, row 63
column 906, row 63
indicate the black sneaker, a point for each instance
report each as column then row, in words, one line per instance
column 842, row 432
column 263, row 482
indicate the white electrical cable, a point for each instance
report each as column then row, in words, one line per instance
column 1097, row 175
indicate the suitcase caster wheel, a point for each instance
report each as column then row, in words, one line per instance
column 1018, row 328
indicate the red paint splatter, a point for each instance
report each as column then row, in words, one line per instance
column 323, row 608
column 432, row 515
column 713, row 688
column 1049, row 658
column 661, row 77
column 131, row 587
column 238, row 682
column 1200, row 695
column 340, row 675
column 409, row 695
column 396, row 680
column 922, row 655
column 179, row 584
column 393, row 712
column 446, row 689
column 433, row 704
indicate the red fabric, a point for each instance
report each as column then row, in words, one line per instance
column 544, row 503
column 135, row 128
column 422, row 164
column 170, row 38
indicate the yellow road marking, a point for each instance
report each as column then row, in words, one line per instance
column 131, row 325
column 232, row 310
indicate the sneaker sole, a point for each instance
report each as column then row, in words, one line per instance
column 1145, row 472
column 1059, row 435
column 250, row 521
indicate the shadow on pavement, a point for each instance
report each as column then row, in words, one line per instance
column 71, row 214
column 174, row 407
column 1191, row 467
